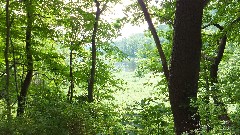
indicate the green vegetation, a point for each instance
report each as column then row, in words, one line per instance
column 62, row 71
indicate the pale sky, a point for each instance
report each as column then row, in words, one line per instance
column 128, row 29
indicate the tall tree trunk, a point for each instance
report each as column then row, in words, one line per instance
column 6, row 55
column 93, row 69
column 185, row 65
column 28, row 78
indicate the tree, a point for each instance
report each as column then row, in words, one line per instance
column 58, row 49
column 6, row 55
column 28, row 78
column 214, row 69
column 185, row 65
column 185, row 62
column 94, row 55
column 156, row 38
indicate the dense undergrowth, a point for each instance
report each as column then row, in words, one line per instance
column 49, row 112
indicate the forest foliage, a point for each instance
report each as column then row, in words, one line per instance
column 61, row 67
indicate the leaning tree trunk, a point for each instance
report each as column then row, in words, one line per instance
column 28, row 78
column 214, row 80
column 223, row 115
column 185, row 65
column 156, row 38
column 214, row 75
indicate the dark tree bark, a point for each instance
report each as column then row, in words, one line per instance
column 185, row 65
column 71, row 87
column 214, row 79
column 70, row 92
column 6, row 55
column 185, row 62
column 93, row 69
column 214, row 73
column 28, row 78
column 156, row 38
column 218, row 58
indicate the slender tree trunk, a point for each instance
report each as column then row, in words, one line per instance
column 156, row 38
column 6, row 55
column 28, row 78
column 70, row 92
column 214, row 75
column 185, row 65
column 71, row 87
column 218, row 58
column 94, row 56
column 214, row 78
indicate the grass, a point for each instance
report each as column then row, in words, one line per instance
column 136, row 88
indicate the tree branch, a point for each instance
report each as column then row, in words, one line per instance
column 218, row 26
column 221, row 27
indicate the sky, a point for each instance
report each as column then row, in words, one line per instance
column 128, row 29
